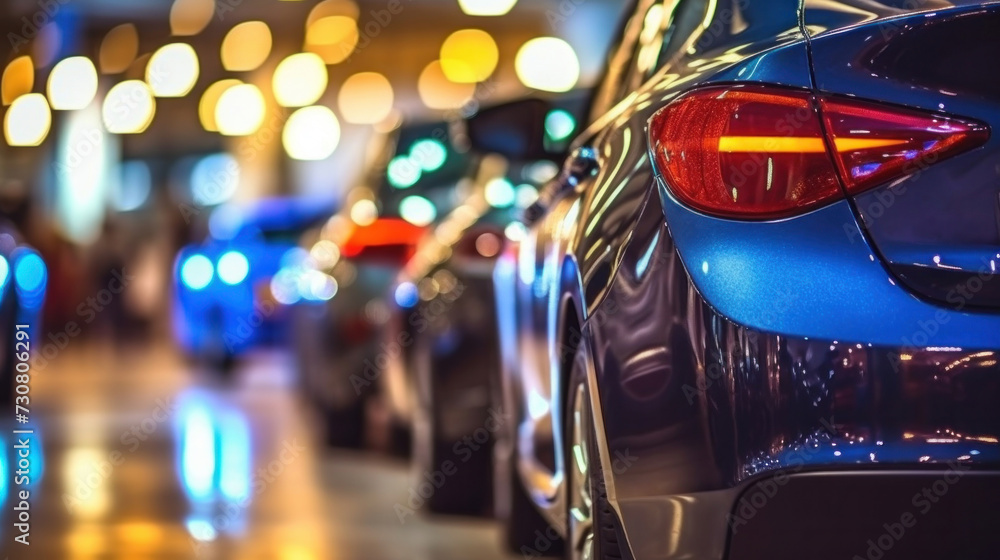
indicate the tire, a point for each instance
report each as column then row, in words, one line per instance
column 525, row 531
column 466, row 491
column 586, row 492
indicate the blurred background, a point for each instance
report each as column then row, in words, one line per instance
column 243, row 234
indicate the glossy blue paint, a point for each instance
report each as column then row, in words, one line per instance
column 722, row 353
column 813, row 276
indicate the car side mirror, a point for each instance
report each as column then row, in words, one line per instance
column 513, row 130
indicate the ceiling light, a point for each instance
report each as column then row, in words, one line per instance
column 300, row 80
column 72, row 84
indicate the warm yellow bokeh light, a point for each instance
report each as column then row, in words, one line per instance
column 364, row 212
column 246, row 46
column 365, row 98
column 129, row 108
column 241, row 110
column 469, row 56
column 300, row 80
column 438, row 92
column 173, row 70
column 548, row 64
column 18, row 79
column 209, row 102
column 486, row 7
column 311, row 134
column 28, row 120
column 72, row 84
column 190, row 17
column 328, row 8
column 333, row 38
column 118, row 49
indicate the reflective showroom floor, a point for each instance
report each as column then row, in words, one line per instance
column 145, row 458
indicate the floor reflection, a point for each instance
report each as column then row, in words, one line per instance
column 143, row 457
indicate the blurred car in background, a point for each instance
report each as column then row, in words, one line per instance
column 336, row 333
column 224, row 296
column 441, row 383
column 413, row 175
column 758, row 297
column 442, row 317
column 23, row 282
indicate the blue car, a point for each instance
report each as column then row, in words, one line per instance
column 225, row 303
column 758, row 313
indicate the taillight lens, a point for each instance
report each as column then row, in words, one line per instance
column 754, row 152
column 875, row 145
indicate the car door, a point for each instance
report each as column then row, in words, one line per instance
column 600, row 170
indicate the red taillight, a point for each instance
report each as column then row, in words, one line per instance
column 901, row 141
column 760, row 153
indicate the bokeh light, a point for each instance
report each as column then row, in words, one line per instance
column 500, row 193
column 197, row 272
column 559, row 125
column 190, row 17
column 48, row 44
column 328, row 8
column 233, row 267
column 438, row 92
column 486, row 7
column 129, row 108
column 246, row 46
column 418, row 210
column 429, row 154
column 72, row 84
column 548, row 64
column 28, row 120
column 134, row 188
column 403, row 172
column 469, row 56
column 18, row 79
column 214, row 179
column 300, row 80
column 311, row 134
column 240, row 111
column 526, row 195
column 30, row 272
column 333, row 38
column 365, row 98
column 364, row 212
column 173, row 70
column 119, row 49
column 209, row 102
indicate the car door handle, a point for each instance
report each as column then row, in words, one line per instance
column 581, row 164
